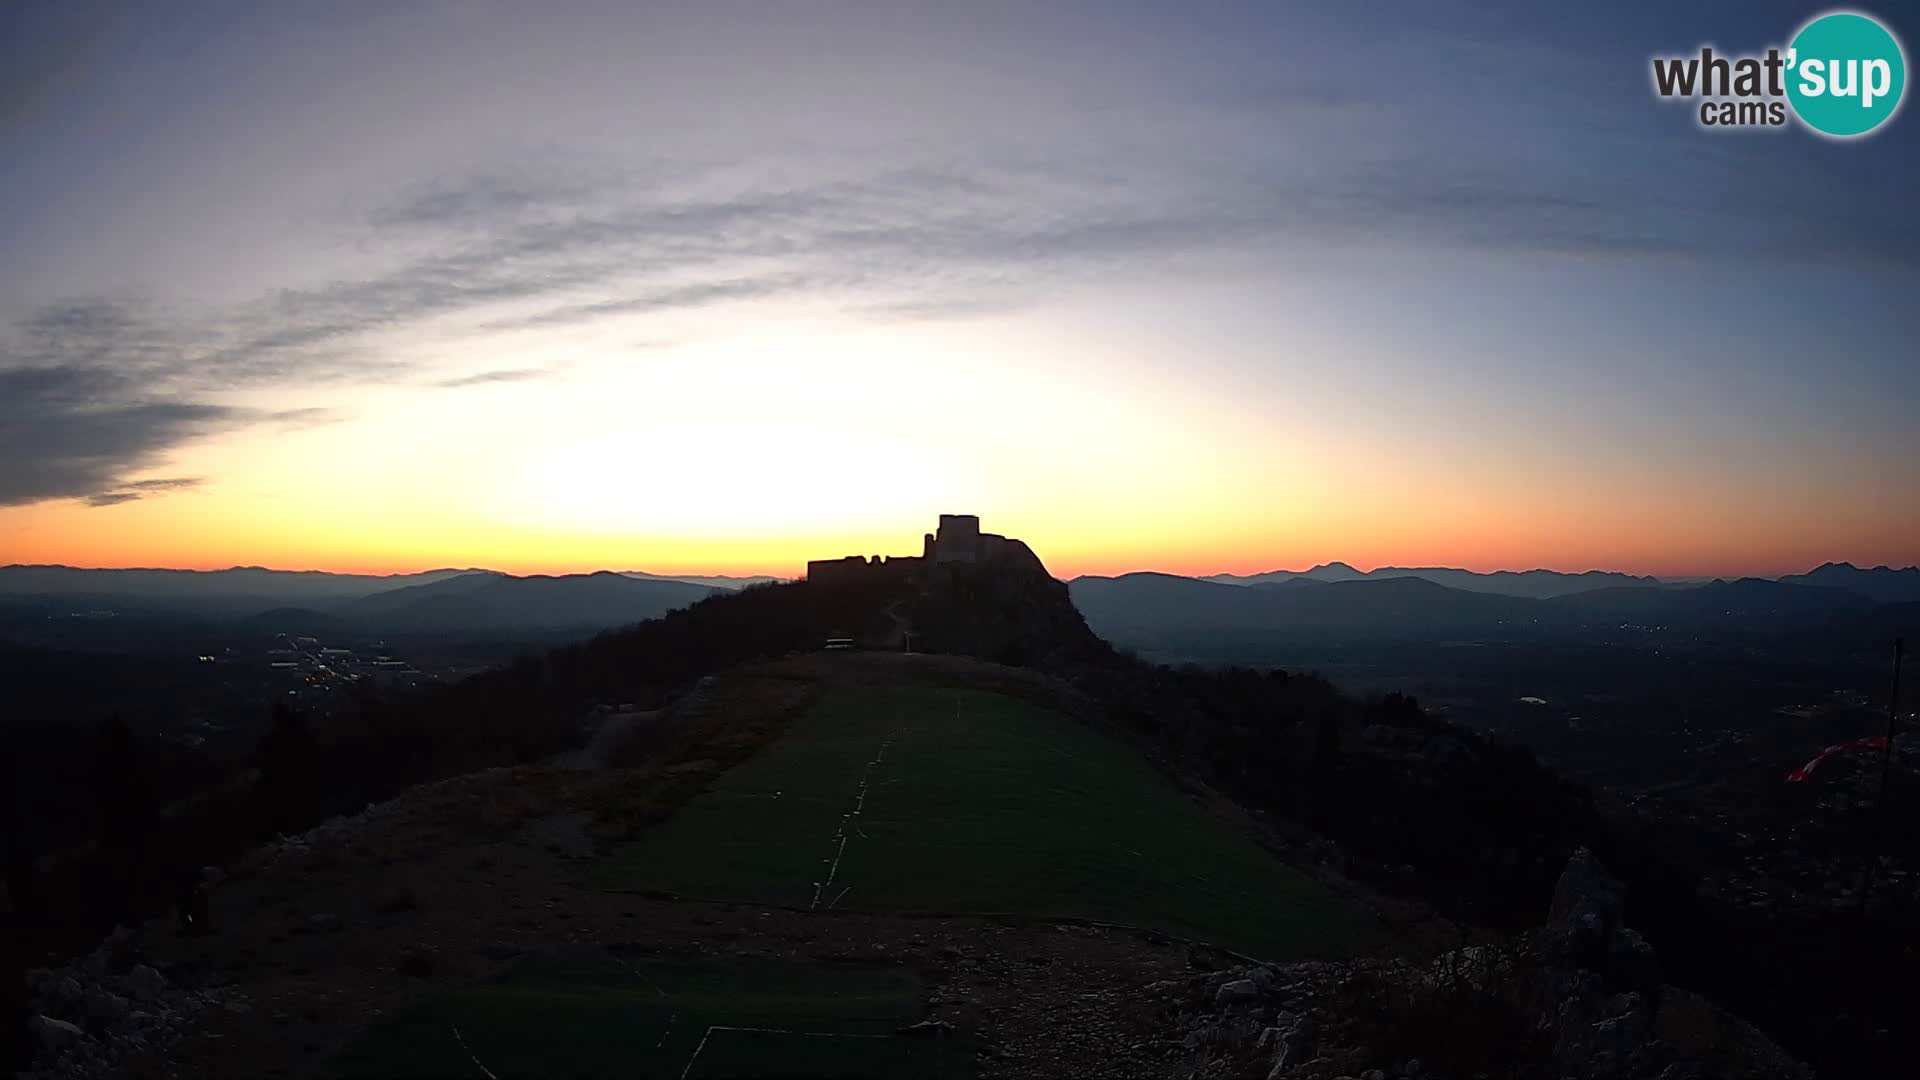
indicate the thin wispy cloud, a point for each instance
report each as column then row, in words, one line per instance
column 490, row 198
column 670, row 298
column 139, row 489
column 488, row 378
column 92, row 393
column 82, row 431
column 1097, row 179
column 312, row 416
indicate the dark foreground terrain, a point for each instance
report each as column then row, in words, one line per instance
column 852, row 866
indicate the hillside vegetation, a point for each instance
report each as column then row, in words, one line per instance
column 1049, row 794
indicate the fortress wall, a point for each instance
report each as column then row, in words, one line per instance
column 959, row 540
column 831, row 570
column 858, row 568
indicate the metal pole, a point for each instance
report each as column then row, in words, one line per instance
column 1886, row 769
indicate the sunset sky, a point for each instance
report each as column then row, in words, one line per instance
column 720, row 288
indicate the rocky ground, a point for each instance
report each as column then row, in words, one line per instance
column 1578, row 999
column 311, row 939
column 315, row 937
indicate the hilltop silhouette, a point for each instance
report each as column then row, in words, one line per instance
column 648, row 745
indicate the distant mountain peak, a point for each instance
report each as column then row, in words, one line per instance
column 1884, row 584
column 1538, row 583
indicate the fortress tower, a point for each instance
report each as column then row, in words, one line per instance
column 958, row 539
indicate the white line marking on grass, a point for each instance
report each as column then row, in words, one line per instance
column 684, row 1073
column 637, row 973
column 688, row 1071
column 470, row 1055
column 833, row 870
column 840, row 833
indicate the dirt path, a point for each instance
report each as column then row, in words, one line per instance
column 613, row 731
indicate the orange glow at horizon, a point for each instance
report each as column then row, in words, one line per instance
column 752, row 452
column 151, row 534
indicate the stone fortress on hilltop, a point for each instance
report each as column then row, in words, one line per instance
column 957, row 541
column 967, row 592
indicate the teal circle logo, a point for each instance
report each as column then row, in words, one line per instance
column 1846, row 74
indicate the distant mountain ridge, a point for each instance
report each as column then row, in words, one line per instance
column 279, row 588
column 1404, row 604
column 242, row 581
column 1161, row 610
column 498, row 602
column 1329, row 598
column 718, row 581
column 435, row 601
column 1148, row 610
column 1881, row 584
column 1537, row 584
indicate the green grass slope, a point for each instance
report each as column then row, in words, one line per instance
column 922, row 798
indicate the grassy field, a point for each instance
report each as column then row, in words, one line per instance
column 597, row 1014
column 928, row 798
column 904, row 788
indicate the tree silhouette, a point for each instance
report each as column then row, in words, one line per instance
column 1326, row 741
column 16, row 1046
column 129, row 821
column 289, row 779
column 15, row 848
column 127, row 809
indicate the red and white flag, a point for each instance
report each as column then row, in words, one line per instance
column 1871, row 742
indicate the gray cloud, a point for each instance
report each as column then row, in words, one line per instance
column 487, row 197
column 678, row 297
column 138, row 489
column 485, row 378
column 1476, row 207
column 103, row 389
column 935, row 309
column 94, row 392
column 919, row 239
column 301, row 418
column 80, row 431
